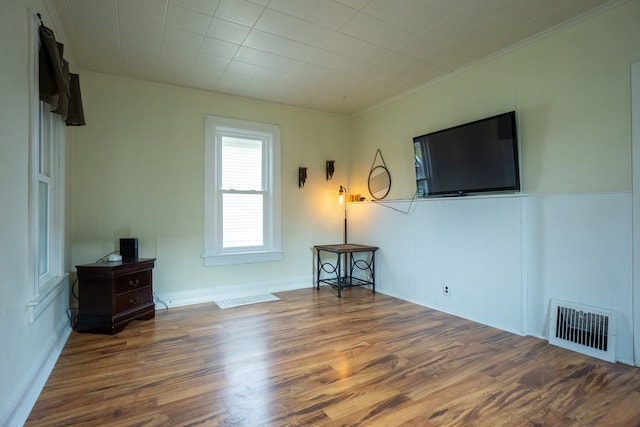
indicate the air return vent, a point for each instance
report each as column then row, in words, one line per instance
column 587, row 330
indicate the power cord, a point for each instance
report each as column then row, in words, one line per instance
column 72, row 316
column 104, row 258
column 378, row 202
column 158, row 300
column 73, row 288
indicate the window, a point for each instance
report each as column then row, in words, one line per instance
column 46, row 196
column 242, row 192
column 43, row 162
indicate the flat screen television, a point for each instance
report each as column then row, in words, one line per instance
column 476, row 157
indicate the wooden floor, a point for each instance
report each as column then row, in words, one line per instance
column 311, row 359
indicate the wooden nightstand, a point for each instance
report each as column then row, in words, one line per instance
column 111, row 294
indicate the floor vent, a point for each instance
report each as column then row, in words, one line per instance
column 587, row 330
column 253, row 299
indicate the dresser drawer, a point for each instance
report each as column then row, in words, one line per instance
column 133, row 281
column 134, row 299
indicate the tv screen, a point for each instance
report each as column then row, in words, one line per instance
column 480, row 156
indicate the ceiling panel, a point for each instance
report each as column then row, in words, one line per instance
column 147, row 10
column 355, row 4
column 227, row 31
column 187, row 20
column 239, row 11
column 409, row 14
column 322, row 58
column 206, row 7
column 182, row 39
column 377, row 31
column 266, row 59
column 140, row 31
column 219, row 48
column 298, row 8
column 210, row 62
column 293, row 28
column 282, row 46
column 380, row 56
column 340, row 56
column 331, row 14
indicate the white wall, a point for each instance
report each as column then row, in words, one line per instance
column 137, row 171
column 580, row 251
column 635, row 124
column 28, row 350
column 504, row 258
column 472, row 244
column 571, row 92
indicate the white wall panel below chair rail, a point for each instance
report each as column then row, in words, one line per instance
column 502, row 258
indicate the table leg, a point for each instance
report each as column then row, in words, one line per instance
column 373, row 272
column 339, row 276
column 317, row 269
column 351, row 265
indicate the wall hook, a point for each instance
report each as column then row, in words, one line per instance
column 330, row 169
column 302, row 176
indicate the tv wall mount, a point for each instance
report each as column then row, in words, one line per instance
column 379, row 178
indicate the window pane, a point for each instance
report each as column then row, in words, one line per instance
column 44, row 155
column 242, row 220
column 241, row 164
column 43, row 228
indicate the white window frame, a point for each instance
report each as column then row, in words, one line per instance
column 46, row 128
column 214, row 254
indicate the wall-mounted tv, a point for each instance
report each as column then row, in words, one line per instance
column 481, row 156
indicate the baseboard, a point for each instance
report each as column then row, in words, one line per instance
column 199, row 296
column 17, row 410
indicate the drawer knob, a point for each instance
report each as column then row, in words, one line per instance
column 132, row 283
column 134, row 301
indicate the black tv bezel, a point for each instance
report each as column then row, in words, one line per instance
column 482, row 190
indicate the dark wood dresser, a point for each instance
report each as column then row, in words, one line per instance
column 111, row 294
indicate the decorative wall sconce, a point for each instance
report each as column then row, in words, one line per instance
column 330, row 169
column 302, row 176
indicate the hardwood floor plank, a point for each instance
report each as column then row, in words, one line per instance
column 313, row 359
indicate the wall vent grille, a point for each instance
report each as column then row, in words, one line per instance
column 584, row 329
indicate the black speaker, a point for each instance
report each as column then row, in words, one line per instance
column 129, row 248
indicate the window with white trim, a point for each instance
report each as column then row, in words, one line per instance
column 45, row 161
column 46, row 195
column 242, row 192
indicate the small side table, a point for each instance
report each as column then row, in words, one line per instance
column 111, row 294
column 345, row 279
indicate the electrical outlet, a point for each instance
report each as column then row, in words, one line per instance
column 446, row 290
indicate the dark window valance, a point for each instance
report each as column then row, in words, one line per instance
column 58, row 87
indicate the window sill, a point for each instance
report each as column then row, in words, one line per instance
column 48, row 292
column 241, row 258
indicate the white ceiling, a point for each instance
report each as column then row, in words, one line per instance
column 340, row 56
